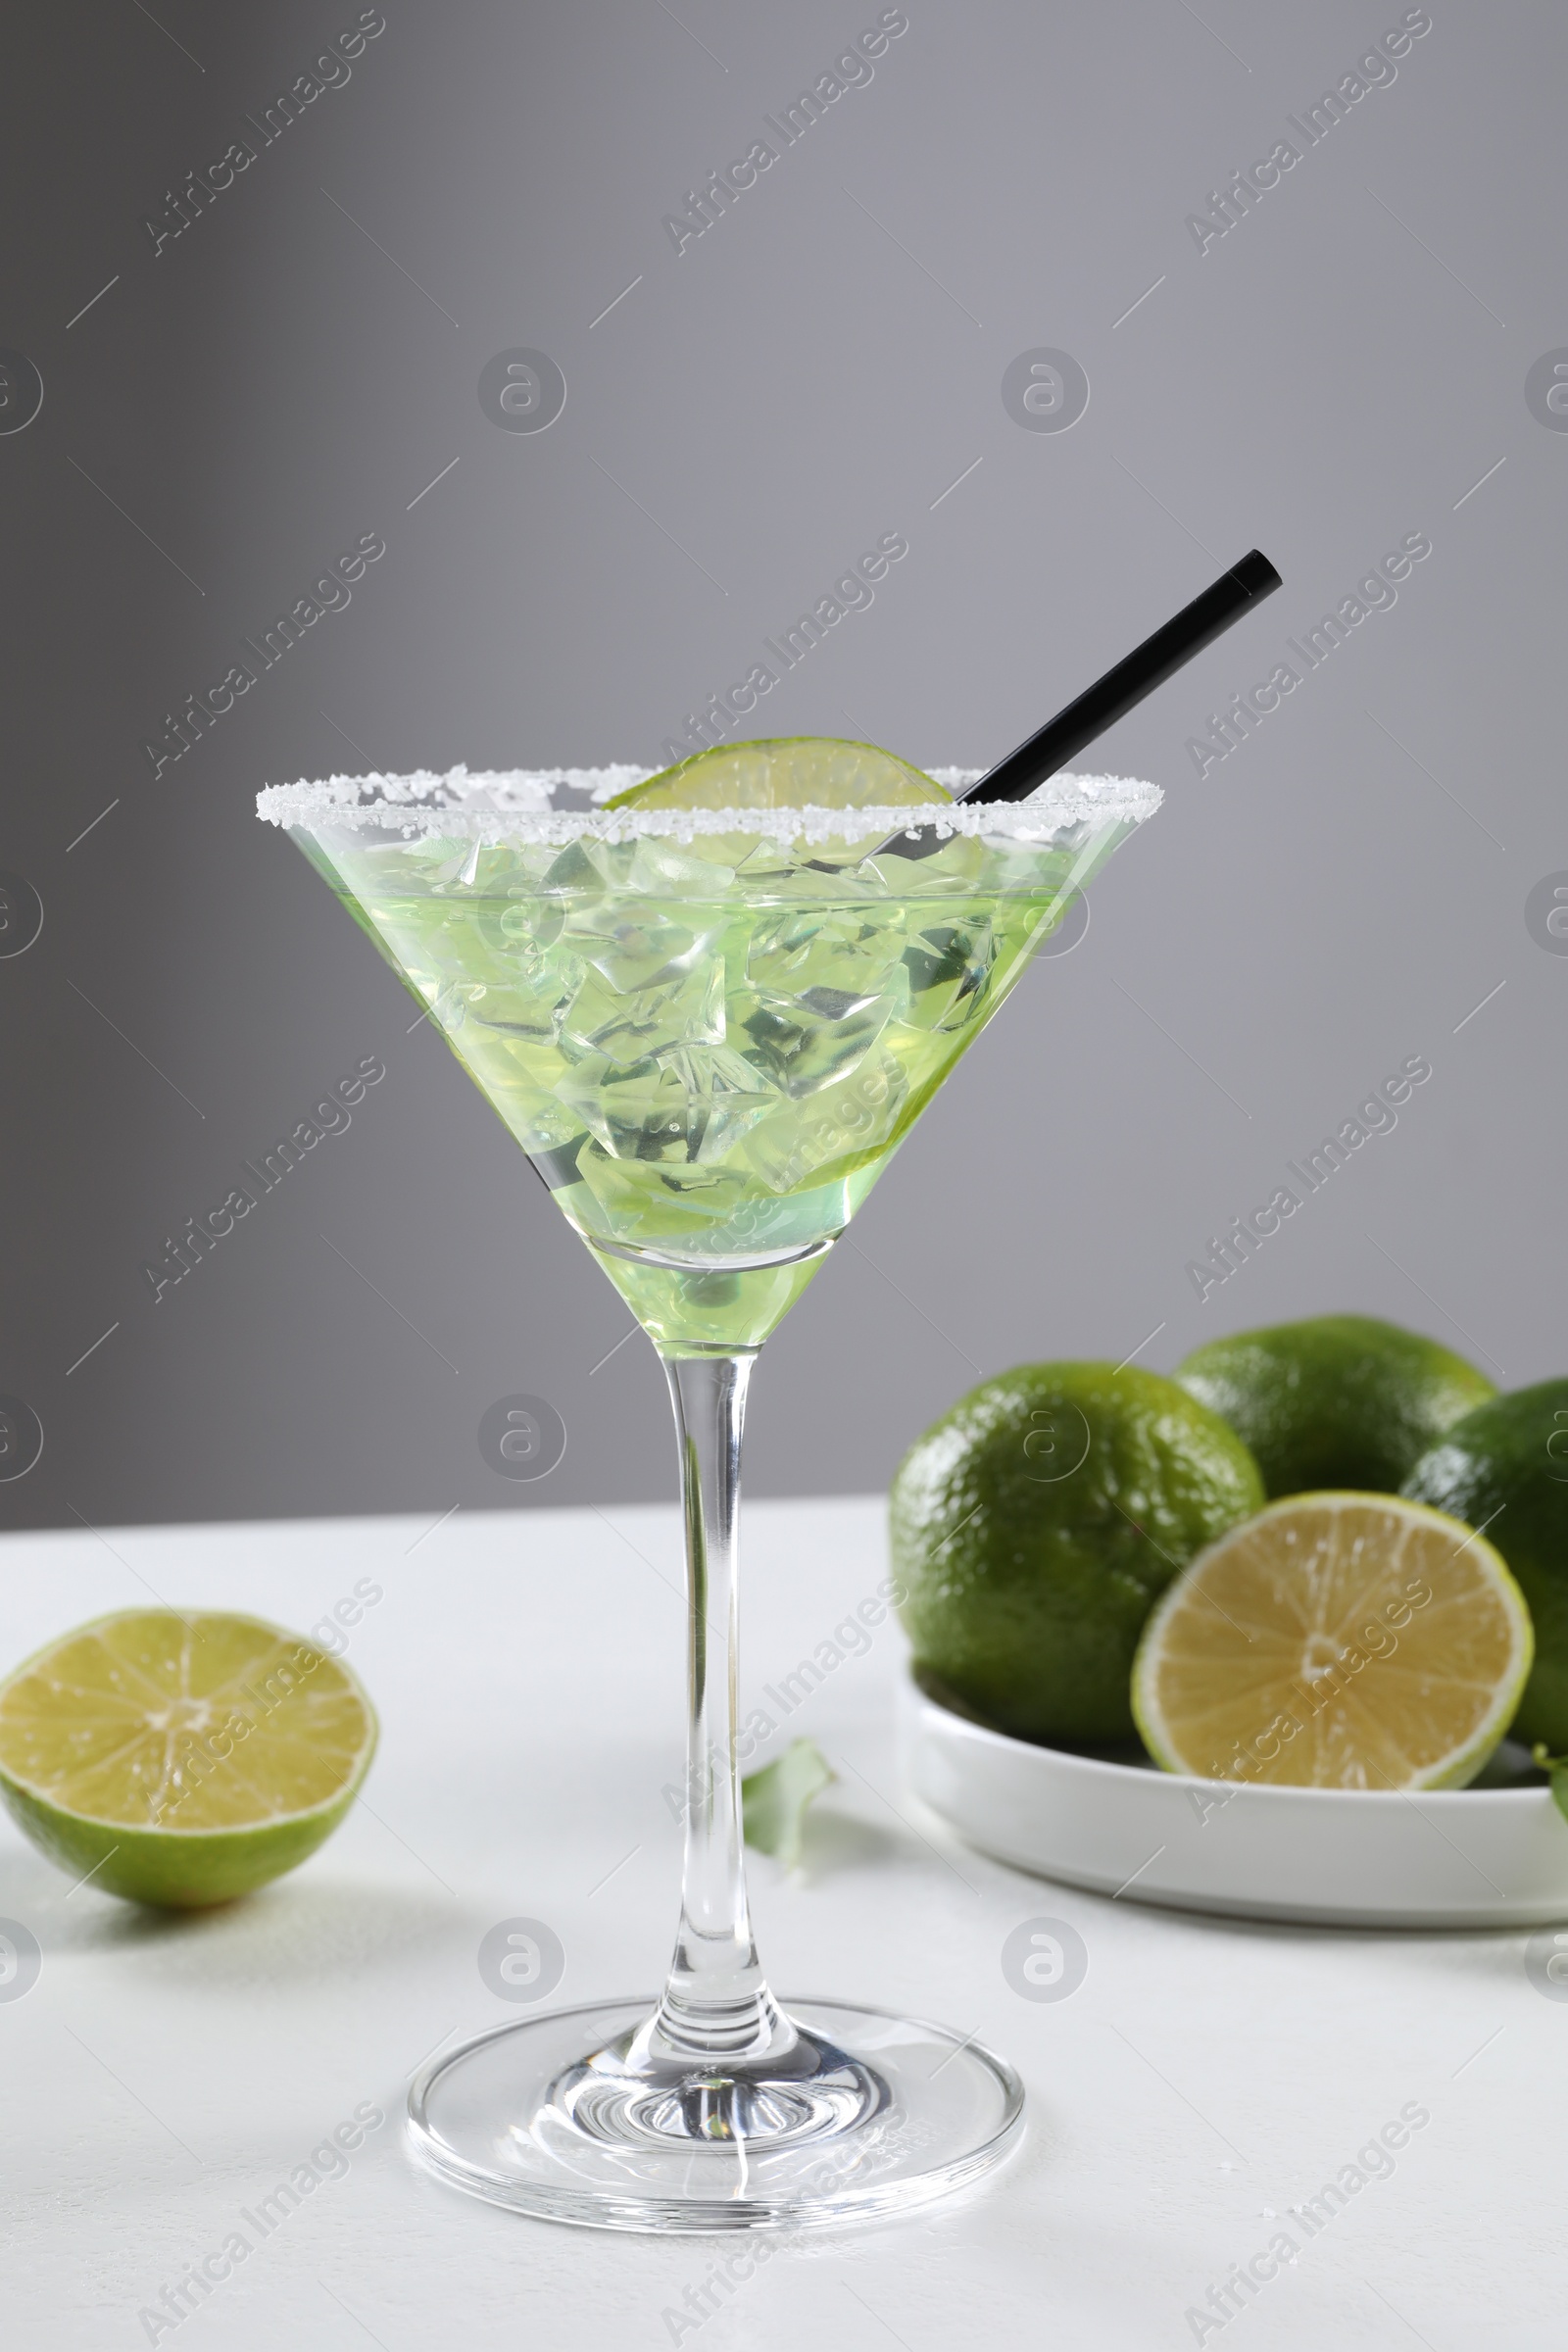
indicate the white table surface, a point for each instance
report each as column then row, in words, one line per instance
column 162, row 2073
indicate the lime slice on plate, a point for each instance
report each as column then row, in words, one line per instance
column 181, row 1760
column 1336, row 1642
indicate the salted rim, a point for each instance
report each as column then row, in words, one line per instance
column 490, row 806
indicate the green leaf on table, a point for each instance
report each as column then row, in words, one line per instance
column 774, row 1800
column 1557, row 1770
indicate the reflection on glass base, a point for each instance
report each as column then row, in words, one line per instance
column 522, row 2117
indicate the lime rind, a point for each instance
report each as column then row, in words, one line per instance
column 174, row 1870
column 1453, row 1770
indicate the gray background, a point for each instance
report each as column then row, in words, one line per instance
column 1338, row 894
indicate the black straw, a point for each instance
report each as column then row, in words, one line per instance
column 1111, row 697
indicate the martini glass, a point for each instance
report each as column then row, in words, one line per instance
column 709, row 1030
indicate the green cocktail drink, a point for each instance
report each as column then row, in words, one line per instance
column 711, row 1042
column 709, row 1024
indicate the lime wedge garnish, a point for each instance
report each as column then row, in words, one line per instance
column 181, row 1760
column 796, row 772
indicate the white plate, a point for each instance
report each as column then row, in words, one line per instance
column 1488, row 1857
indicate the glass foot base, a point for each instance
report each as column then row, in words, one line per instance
column 869, row 2115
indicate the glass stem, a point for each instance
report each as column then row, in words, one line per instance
column 716, row 2008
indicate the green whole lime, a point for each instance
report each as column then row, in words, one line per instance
column 1340, row 1401
column 1505, row 1468
column 1035, row 1524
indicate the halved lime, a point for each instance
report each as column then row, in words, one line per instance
column 181, row 1760
column 1336, row 1642
column 795, row 772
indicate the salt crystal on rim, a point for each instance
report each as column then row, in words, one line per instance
column 490, row 807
